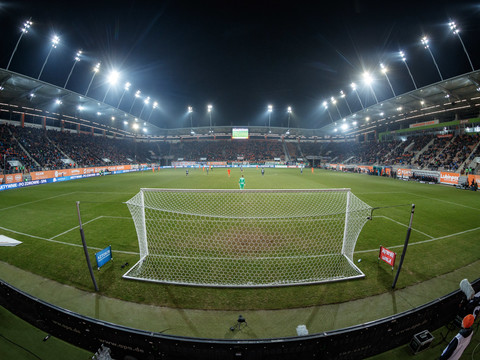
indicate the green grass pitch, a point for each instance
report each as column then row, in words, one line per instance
column 445, row 235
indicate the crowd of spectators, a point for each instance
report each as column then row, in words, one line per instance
column 41, row 149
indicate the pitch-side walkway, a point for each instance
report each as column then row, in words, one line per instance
column 216, row 324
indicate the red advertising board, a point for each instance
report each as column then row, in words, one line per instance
column 449, row 178
column 387, row 255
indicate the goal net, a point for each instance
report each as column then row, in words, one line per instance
column 246, row 238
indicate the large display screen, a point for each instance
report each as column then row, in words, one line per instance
column 239, row 133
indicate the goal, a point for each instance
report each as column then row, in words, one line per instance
column 246, row 238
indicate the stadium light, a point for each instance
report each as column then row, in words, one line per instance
column 456, row 31
column 354, row 88
column 343, row 96
column 190, row 111
column 209, row 109
column 289, row 111
column 55, row 41
column 425, row 42
column 270, row 109
column 26, row 26
column 404, row 59
column 58, row 102
column 137, row 95
column 334, row 102
column 154, row 106
column 96, row 69
column 77, row 59
column 112, row 80
column 384, row 70
column 125, row 89
column 368, row 79
column 145, row 103
column 325, row 106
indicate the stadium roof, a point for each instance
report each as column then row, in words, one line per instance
column 457, row 97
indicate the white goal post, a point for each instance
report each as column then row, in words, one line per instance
column 246, row 238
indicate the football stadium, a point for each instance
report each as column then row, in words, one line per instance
column 356, row 237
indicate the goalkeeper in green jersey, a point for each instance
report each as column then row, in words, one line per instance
column 241, row 182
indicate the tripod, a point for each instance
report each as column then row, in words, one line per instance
column 241, row 322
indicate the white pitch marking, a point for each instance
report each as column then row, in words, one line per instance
column 35, row 201
column 399, row 223
column 423, row 241
column 76, row 227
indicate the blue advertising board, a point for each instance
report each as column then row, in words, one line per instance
column 103, row 256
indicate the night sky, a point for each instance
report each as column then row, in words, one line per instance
column 240, row 56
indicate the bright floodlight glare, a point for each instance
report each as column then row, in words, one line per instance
column 270, row 108
column 145, row 130
column 77, row 55
column 453, row 27
column 289, row 109
column 135, row 126
column 155, row 104
column 137, row 93
column 209, row 107
column 113, row 77
column 354, row 123
column 422, row 102
column 342, row 94
column 96, row 68
column 190, row 109
column 344, row 127
column 333, row 100
column 402, row 55
column 425, row 42
column 147, row 100
column 127, row 86
column 367, row 118
column 26, row 26
column 335, row 129
column 125, row 122
column 55, row 41
column 58, row 101
column 367, row 78
column 344, row 119
column 353, row 86
column 113, row 118
column 99, row 113
column 383, row 68
column 80, row 107
column 325, row 104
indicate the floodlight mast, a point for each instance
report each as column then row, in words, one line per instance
column 112, row 80
column 26, row 26
column 145, row 103
column 125, row 89
column 425, row 42
column 368, row 80
column 137, row 95
column 190, row 111
column 404, row 59
column 325, row 105
column 456, row 31
column 343, row 96
column 96, row 69
column 270, row 109
column 77, row 59
column 289, row 111
column 154, row 106
column 354, row 87
column 384, row 71
column 334, row 102
column 55, row 41
column 209, row 109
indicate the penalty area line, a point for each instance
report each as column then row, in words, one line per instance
column 399, row 223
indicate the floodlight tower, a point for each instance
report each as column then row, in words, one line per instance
column 334, row 102
column 55, row 41
column 343, row 96
column 137, row 95
column 404, row 59
column 384, row 71
column 209, row 109
column 354, row 88
column 154, row 106
column 270, row 109
column 112, row 80
column 77, row 59
column 96, row 69
column 26, row 26
column 456, row 31
column 425, row 42
column 289, row 112
column 325, row 105
column 126, row 87
column 145, row 103
column 190, row 112
column 367, row 78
